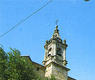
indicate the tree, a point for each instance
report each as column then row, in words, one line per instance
column 20, row 68
column 15, row 67
column 3, row 64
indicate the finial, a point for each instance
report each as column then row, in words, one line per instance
column 57, row 27
column 56, row 30
column 65, row 44
column 65, row 62
column 65, row 41
column 46, row 41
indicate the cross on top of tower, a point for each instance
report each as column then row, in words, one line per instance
column 56, row 31
column 56, row 21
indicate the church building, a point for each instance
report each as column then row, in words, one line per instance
column 54, row 62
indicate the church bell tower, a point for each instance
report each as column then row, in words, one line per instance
column 55, row 57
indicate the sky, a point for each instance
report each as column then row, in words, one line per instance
column 76, row 21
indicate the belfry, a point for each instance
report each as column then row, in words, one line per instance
column 55, row 57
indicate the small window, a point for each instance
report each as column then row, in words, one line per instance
column 50, row 49
column 59, row 54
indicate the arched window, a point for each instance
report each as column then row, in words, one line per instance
column 59, row 52
column 50, row 49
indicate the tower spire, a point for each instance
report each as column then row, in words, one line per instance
column 56, row 33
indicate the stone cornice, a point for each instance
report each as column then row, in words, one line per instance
column 69, row 78
column 67, row 69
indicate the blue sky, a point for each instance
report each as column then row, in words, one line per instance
column 76, row 25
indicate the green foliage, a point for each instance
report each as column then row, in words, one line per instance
column 3, row 64
column 20, row 68
column 52, row 77
column 15, row 67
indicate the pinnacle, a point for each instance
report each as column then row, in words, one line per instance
column 56, row 27
column 56, row 30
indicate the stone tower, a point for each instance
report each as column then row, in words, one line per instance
column 55, row 57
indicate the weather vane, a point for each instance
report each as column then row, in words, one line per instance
column 57, row 22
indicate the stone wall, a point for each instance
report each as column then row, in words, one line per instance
column 39, row 69
column 59, row 72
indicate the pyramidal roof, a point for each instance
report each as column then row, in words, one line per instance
column 55, row 37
